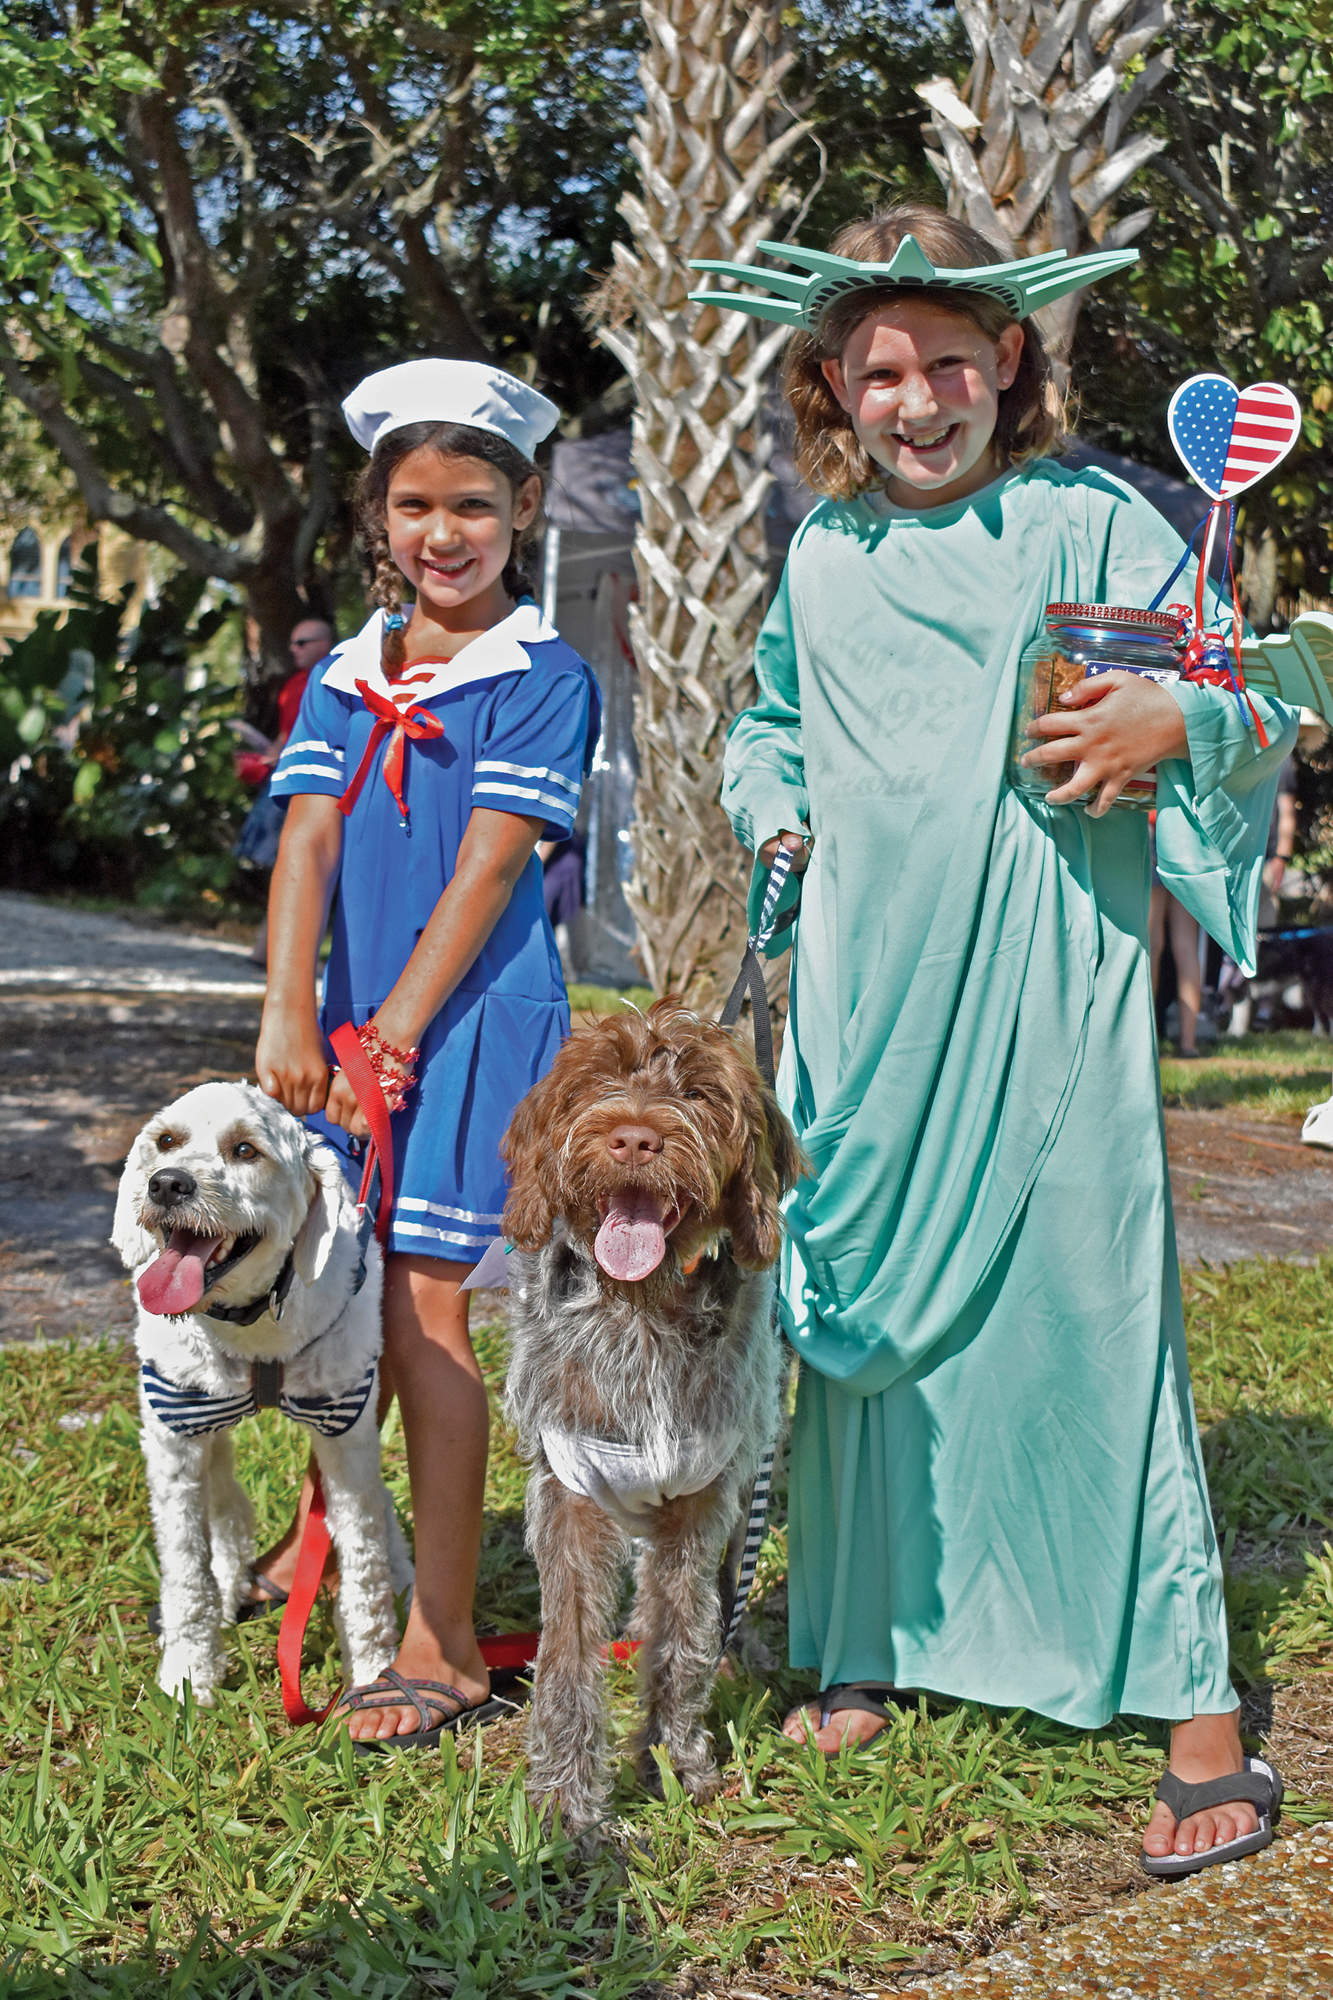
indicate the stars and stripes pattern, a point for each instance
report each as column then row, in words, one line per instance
column 1228, row 438
column 1267, row 425
column 195, row 1413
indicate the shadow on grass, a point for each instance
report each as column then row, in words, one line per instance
column 1270, row 1475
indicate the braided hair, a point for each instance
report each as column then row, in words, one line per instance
column 372, row 494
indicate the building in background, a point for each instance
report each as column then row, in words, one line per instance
column 37, row 561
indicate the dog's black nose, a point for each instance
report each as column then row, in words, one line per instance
column 171, row 1185
column 633, row 1144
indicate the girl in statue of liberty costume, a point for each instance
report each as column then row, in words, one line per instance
column 997, row 1489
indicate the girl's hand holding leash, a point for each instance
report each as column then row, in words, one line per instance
column 795, row 842
column 291, row 1061
column 1109, row 727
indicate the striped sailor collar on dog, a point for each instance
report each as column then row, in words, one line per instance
column 190, row 1412
column 502, row 650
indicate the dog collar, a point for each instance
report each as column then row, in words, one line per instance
column 1022, row 286
column 271, row 1301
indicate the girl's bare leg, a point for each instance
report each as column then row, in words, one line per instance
column 1185, row 951
column 1157, row 928
column 446, row 1427
column 428, row 1361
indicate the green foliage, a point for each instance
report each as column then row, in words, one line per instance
column 857, row 63
column 120, row 766
column 1236, row 269
column 242, row 213
column 53, row 203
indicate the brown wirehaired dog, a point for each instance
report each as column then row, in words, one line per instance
column 646, row 1170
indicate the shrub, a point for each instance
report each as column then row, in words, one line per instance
column 116, row 773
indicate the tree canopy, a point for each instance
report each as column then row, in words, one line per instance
column 1237, row 272
column 217, row 221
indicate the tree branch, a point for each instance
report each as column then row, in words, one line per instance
column 102, row 500
column 175, row 445
column 206, row 309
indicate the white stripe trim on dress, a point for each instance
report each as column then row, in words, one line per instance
column 440, row 1235
column 440, row 1208
column 314, row 743
column 310, row 771
column 530, row 771
column 488, row 786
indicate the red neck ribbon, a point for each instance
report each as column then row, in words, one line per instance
column 397, row 724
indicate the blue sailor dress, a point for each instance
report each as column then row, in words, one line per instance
column 520, row 714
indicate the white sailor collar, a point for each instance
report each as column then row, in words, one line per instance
column 502, row 650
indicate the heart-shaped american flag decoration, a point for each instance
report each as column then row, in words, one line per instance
column 1227, row 438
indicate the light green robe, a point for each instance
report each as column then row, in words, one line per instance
column 997, row 1490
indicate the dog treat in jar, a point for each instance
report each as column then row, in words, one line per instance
column 1081, row 642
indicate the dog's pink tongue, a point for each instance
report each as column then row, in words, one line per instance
column 631, row 1242
column 174, row 1282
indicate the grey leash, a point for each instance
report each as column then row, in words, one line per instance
column 751, row 975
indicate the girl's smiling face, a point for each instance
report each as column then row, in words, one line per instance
column 922, row 387
column 451, row 524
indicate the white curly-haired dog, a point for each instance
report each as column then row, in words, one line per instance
column 255, row 1289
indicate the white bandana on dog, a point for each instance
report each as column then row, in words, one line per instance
column 626, row 1480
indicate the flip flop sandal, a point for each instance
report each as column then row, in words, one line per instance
column 392, row 1690
column 258, row 1607
column 1258, row 1783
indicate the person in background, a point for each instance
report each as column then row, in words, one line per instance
column 311, row 640
column 562, row 886
column 1281, row 846
column 1166, row 917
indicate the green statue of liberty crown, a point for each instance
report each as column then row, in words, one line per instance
column 1023, row 286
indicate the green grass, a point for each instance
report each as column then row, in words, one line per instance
column 149, row 1848
column 1261, row 1352
column 607, row 999
column 1269, row 1077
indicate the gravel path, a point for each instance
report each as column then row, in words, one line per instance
column 102, row 1021
column 1260, row 1926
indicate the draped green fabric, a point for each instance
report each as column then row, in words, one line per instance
column 996, row 1483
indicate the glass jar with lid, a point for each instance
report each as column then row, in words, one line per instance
column 1082, row 641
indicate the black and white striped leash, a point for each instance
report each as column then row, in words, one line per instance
column 751, row 976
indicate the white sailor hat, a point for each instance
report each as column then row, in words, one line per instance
column 449, row 392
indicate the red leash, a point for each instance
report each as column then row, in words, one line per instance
column 315, row 1545
column 511, row 1652
column 356, row 1068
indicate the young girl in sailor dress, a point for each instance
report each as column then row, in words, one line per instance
column 432, row 753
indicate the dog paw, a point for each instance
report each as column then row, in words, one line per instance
column 701, row 1785
column 178, row 1670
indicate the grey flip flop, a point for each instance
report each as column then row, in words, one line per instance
column 1258, row 1783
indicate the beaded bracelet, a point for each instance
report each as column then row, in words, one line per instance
column 380, row 1054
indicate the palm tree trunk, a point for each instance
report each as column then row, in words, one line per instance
column 1033, row 150
column 709, row 147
